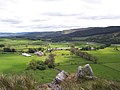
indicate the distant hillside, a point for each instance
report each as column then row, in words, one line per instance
column 40, row 35
column 95, row 31
column 97, row 34
column 93, row 34
column 11, row 34
column 75, row 30
column 113, row 38
column 45, row 35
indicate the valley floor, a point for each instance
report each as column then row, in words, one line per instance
column 108, row 66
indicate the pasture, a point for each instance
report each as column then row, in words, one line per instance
column 108, row 66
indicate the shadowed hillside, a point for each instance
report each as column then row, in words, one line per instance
column 92, row 34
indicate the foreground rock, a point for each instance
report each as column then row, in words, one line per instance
column 55, row 84
column 82, row 72
column 85, row 72
column 73, row 82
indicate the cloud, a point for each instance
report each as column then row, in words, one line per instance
column 92, row 1
column 54, row 15
column 52, row 26
column 99, row 17
column 49, row 0
column 10, row 21
column 39, row 20
column 45, row 26
column 61, row 14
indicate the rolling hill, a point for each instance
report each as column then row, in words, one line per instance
column 109, row 34
column 97, row 34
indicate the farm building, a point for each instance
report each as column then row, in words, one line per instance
column 49, row 49
column 40, row 53
column 26, row 54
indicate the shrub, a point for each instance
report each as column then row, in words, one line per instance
column 6, row 49
column 46, row 61
column 86, row 48
column 32, row 50
column 41, row 49
column 34, row 65
column 51, row 65
column 41, row 65
column 9, row 50
column 13, row 50
column 2, row 45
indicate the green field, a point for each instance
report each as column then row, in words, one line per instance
column 108, row 66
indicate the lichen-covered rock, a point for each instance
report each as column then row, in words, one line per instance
column 85, row 72
column 60, row 77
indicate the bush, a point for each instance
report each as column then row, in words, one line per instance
column 34, row 65
column 2, row 45
column 32, row 50
column 9, row 50
column 6, row 49
column 51, row 65
column 13, row 50
column 41, row 65
column 86, row 48
column 41, row 49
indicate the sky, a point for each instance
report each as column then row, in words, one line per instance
column 56, row 15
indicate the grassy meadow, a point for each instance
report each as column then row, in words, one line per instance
column 108, row 66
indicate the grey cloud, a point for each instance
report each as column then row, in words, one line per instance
column 92, row 1
column 109, row 17
column 51, row 26
column 11, row 21
column 60, row 14
column 47, row 0
column 45, row 26
column 23, row 26
column 82, row 16
column 39, row 20
column 99, row 17
column 53, row 14
column 51, row 0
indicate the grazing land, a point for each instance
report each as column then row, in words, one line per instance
column 108, row 66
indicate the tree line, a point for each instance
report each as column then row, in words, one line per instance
column 84, row 55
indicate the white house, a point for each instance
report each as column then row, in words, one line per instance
column 26, row 54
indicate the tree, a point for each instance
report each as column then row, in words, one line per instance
column 2, row 45
column 50, row 61
column 116, row 48
column 41, row 49
column 31, row 50
column 6, row 49
column 73, row 50
column 86, row 48
column 9, row 50
column 13, row 50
